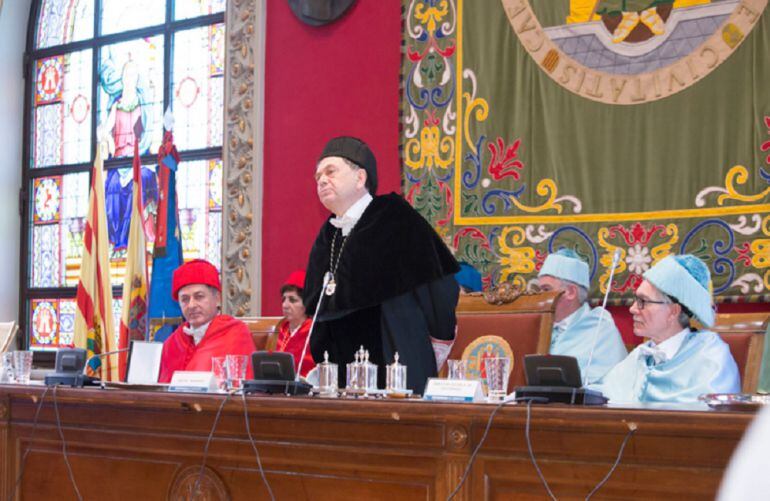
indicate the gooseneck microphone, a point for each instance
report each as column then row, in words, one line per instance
column 327, row 278
column 615, row 261
column 97, row 356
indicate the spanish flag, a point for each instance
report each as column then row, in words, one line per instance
column 93, row 318
column 133, row 317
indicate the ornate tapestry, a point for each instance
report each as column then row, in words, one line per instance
column 596, row 125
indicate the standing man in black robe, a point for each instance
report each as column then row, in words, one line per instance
column 391, row 285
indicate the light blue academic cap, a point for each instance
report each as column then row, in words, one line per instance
column 566, row 265
column 687, row 279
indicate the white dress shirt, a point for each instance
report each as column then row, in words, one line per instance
column 352, row 215
column 197, row 333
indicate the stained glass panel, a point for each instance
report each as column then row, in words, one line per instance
column 44, row 319
column 120, row 15
column 46, row 255
column 215, row 184
column 62, row 130
column 74, row 210
column 131, row 89
column 198, row 88
column 200, row 225
column 117, row 305
column 64, row 21
column 185, row 9
column 59, row 207
column 46, row 199
column 67, row 322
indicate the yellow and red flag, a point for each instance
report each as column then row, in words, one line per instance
column 133, row 317
column 93, row 317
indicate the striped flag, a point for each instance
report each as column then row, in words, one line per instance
column 133, row 316
column 165, row 314
column 93, row 317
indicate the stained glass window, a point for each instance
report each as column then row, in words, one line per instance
column 61, row 22
column 124, row 15
column 198, row 90
column 185, row 9
column 85, row 84
column 62, row 109
column 131, row 89
column 59, row 206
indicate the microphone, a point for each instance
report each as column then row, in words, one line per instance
column 615, row 261
column 327, row 278
column 97, row 356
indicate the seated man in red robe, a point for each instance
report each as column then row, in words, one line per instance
column 206, row 333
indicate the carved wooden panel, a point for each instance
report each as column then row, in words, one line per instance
column 134, row 445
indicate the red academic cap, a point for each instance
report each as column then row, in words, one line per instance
column 197, row 271
column 297, row 279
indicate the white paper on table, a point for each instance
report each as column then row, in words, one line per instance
column 144, row 362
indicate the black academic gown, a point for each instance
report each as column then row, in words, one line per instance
column 395, row 288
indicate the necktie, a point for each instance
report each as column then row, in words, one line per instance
column 654, row 354
column 345, row 223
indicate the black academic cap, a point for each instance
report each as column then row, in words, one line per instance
column 356, row 151
column 318, row 12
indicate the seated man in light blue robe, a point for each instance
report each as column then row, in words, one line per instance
column 590, row 335
column 678, row 363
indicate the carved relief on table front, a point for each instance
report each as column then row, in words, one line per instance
column 457, row 437
column 192, row 483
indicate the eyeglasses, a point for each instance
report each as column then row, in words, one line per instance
column 640, row 302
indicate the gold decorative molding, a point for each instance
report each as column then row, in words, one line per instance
column 242, row 157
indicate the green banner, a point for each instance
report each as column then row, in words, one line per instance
column 533, row 125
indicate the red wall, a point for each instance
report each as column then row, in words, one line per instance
column 320, row 82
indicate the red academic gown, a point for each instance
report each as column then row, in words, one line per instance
column 224, row 336
column 294, row 344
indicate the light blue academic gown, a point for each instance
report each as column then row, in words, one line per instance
column 703, row 364
column 577, row 338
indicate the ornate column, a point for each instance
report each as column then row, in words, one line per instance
column 242, row 157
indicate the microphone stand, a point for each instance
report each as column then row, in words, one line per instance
column 327, row 278
column 615, row 261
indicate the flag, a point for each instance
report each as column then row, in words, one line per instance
column 133, row 316
column 93, row 317
column 165, row 314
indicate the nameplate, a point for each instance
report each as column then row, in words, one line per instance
column 193, row 382
column 453, row 390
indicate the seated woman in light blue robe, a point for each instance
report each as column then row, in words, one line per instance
column 677, row 364
column 588, row 334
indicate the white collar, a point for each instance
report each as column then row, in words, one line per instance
column 197, row 333
column 671, row 345
column 564, row 323
column 352, row 215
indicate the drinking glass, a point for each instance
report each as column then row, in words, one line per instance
column 236, row 370
column 455, row 369
column 219, row 368
column 498, row 369
column 22, row 366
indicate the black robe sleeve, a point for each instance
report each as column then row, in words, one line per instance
column 411, row 319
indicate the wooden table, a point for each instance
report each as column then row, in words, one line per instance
column 149, row 445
